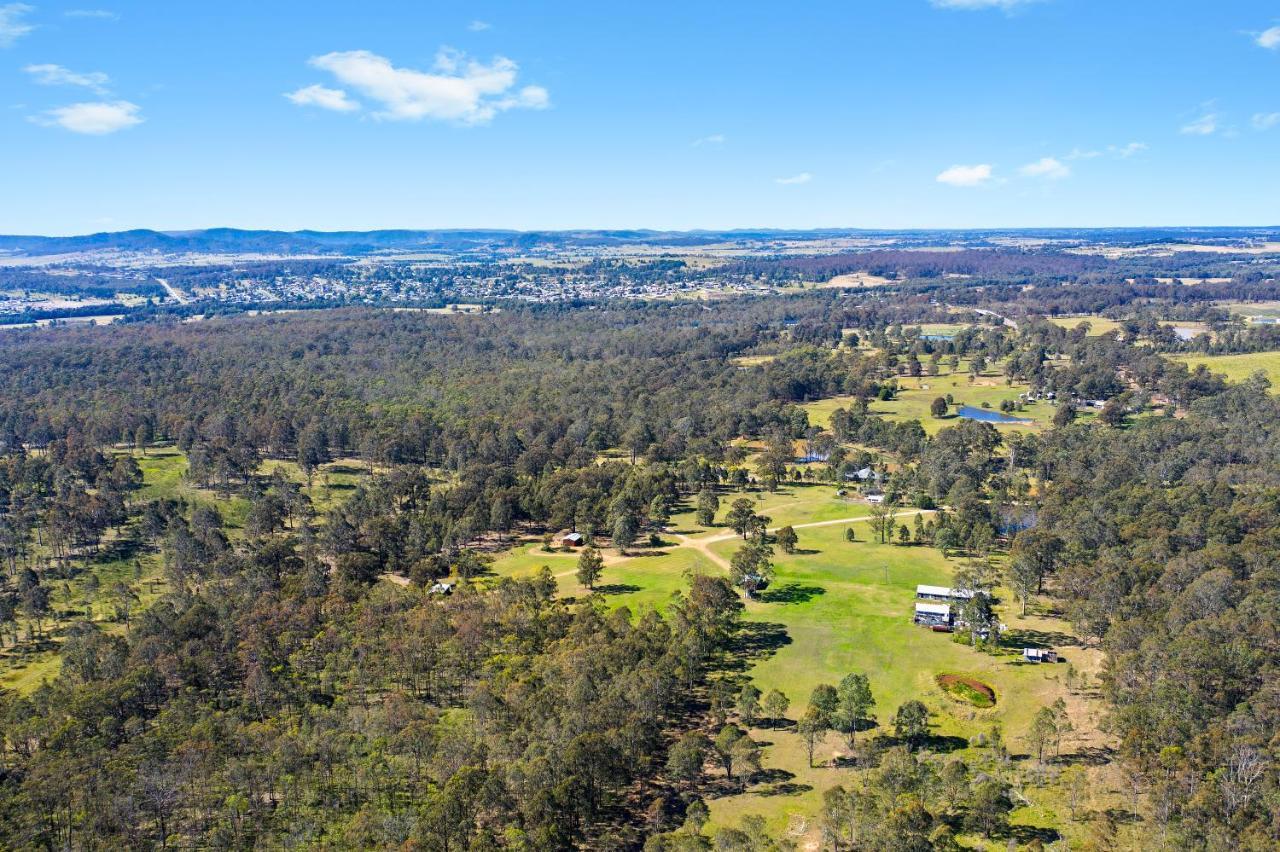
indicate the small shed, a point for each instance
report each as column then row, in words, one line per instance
column 572, row 539
column 441, row 589
column 1040, row 655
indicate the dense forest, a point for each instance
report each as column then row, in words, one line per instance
column 281, row 692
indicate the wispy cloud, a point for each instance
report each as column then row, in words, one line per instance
column 93, row 119
column 979, row 5
column 56, row 75
column 1270, row 39
column 1127, row 151
column 1266, row 120
column 1122, row 152
column 457, row 89
column 479, row 26
column 803, row 177
column 100, row 14
column 1049, row 168
column 325, row 98
column 12, row 23
column 967, row 175
column 713, row 139
column 1205, row 125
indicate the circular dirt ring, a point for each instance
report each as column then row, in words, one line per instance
column 967, row 690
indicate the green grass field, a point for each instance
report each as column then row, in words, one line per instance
column 791, row 504
column 915, row 395
column 846, row 607
column 1237, row 367
column 645, row 580
column 1098, row 325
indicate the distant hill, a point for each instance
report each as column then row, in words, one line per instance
column 234, row 240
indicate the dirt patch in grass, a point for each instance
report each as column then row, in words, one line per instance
column 967, row 690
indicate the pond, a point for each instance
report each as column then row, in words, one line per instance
column 986, row 415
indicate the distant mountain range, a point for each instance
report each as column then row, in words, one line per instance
column 233, row 240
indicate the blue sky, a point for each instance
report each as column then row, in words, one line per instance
column 892, row 113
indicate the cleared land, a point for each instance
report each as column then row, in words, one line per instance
column 837, row 607
column 915, row 395
column 1238, row 367
column 1097, row 325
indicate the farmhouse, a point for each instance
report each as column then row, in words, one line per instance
column 571, row 539
column 943, row 594
column 933, row 615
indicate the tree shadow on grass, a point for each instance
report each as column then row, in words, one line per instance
column 790, row 593
column 756, row 640
column 617, row 589
column 943, row 744
column 1025, row 834
column 1088, row 756
column 1023, row 638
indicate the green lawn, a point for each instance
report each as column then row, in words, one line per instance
column 790, row 504
column 644, row 580
column 839, row 607
column 1237, row 367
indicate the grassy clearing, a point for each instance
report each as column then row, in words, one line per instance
column 752, row 360
column 1237, row 368
column 792, row 504
column 1267, row 310
column 915, row 395
column 1098, row 325
column 838, row 607
column 644, row 580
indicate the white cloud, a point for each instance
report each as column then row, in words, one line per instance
column 1266, row 120
column 325, row 98
column 1270, row 39
column 1205, row 125
column 457, row 89
column 803, row 177
column 1049, row 168
column 479, row 26
column 100, row 14
column 1127, row 151
column 95, row 119
column 1123, row 152
column 977, row 5
column 966, row 175
column 56, row 75
column 12, row 27
column 713, row 139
